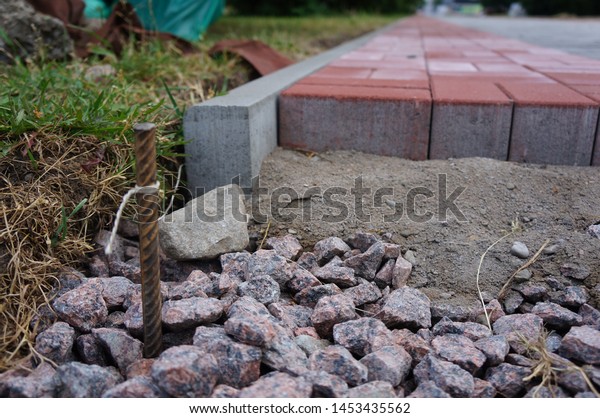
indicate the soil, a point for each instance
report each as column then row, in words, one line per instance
column 536, row 202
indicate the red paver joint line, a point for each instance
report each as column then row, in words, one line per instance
column 429, row 89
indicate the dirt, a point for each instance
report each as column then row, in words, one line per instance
column 536, row 202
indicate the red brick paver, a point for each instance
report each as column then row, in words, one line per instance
column 430, row 89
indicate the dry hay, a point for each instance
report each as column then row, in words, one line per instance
column 547, row 366
column 42, row 179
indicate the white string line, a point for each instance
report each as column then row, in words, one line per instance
column 137, row 189
column 179, row 171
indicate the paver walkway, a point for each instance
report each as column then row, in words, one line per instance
column 579, row 36
column 426, row 88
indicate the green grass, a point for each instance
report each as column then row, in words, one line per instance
column 150, row 83
column 153, row 82
column 57, row 98
column 297, row 37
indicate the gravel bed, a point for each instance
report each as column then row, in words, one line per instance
column 334, row 320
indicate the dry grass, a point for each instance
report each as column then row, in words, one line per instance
column 477, row 278
column 547, row 366
column 32, row 207
column 515, row 227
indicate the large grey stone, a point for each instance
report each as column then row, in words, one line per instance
column 31, row 34
column 207, row 227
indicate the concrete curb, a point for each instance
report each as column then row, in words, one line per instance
column 229, row 136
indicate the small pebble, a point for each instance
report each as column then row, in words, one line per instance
column 519, row 249
column 594, row 230
column 410, row 256
column 551, row 249
column 524, row 274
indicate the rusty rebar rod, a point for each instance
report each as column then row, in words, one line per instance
column 148, row 206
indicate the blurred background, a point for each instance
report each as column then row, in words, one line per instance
column 320, row 7
column 465, row 7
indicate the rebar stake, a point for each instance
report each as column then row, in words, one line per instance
column 148, row 205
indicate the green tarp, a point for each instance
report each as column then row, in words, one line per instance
column 97, row 9
column 187, row 19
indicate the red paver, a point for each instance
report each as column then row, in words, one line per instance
column 588, row 90
column 472, row 93
column 437, row 66
column 574, row 79
column 552, row 124
column 347, row 63
column 495, row 77
column 343, row 72
column 470, row 119
column 365, row 55
column 549, row 95
column 452, row 91
column 501, row 68
column 399, row 74
column 391, row 121
column 358, row 92
column 367, row 82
